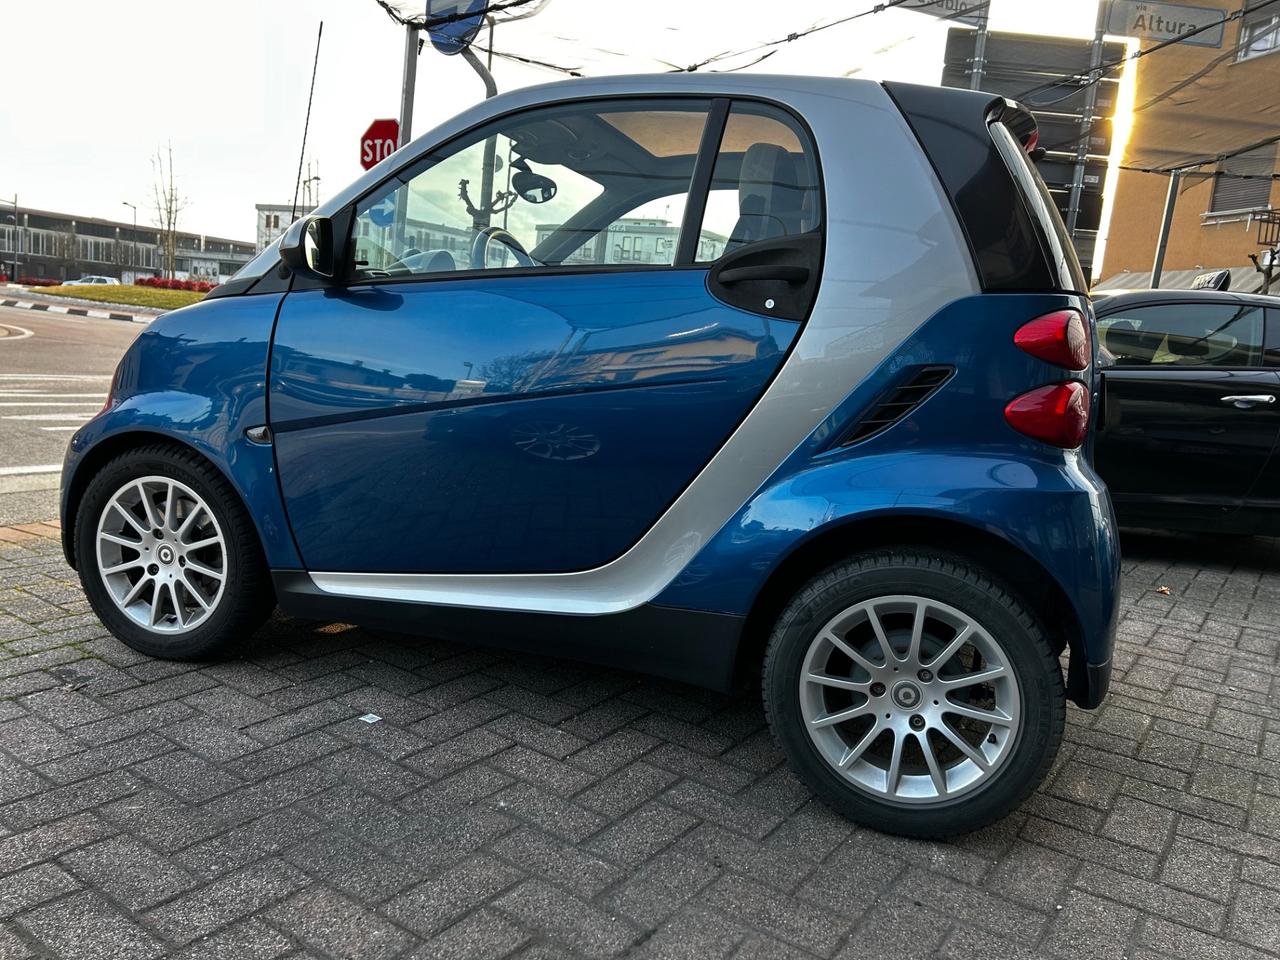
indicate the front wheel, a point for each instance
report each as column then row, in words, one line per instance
column 914, row 693
column 168, row 557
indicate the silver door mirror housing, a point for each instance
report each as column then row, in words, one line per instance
column 307, row 246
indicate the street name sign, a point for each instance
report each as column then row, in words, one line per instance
column 972, row 12
column 1165, row 21
column 379, row 142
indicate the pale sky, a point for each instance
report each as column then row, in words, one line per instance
column 90, row 91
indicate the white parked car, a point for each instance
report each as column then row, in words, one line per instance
column 87, row 281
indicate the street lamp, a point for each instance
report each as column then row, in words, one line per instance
column 17, row 240
column 126, row 203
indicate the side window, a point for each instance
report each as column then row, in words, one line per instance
column 1185, row 335
column 648, row 233
column 602, row 182
column 764, row 184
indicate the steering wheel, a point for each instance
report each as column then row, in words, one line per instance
column 480, row 248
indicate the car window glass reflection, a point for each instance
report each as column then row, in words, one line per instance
column 1185, row 334
column 551, row 187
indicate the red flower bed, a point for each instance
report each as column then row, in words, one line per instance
column 164, row 283
column 39, row 282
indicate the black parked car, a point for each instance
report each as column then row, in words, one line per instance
column 1190, row 411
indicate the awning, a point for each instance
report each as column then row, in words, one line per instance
column 1243, row 280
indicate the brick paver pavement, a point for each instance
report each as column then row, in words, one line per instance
column 514, row 806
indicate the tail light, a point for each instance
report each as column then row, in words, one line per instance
column 1057, row 413
column 1060, row 338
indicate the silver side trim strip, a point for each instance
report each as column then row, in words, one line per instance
column 895, row 255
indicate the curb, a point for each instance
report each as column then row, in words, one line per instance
column 78, row 311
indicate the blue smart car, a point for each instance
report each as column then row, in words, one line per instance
column 716, row 377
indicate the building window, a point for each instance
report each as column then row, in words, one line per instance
column 1259, row 33
column 1243, row 182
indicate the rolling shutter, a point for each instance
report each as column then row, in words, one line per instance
column 1244, row 181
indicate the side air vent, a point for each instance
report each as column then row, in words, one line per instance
column 896, row 402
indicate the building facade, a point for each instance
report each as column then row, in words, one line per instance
column 272, row 220
column 61, row 246
column 638, row 240
column 1194, row 101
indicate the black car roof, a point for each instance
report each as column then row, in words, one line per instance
column 1109, row 301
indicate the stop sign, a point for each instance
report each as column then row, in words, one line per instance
column 379, row 142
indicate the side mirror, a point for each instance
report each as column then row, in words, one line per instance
column 533, row 187
column 307, row 246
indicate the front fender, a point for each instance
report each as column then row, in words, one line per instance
column 195, row 377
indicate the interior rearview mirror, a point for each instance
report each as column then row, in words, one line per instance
column 533, row 187
column 307, row 246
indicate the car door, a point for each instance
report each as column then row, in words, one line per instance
column 525, row 364
column 1189, row 412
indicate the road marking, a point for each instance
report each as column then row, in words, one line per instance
column 23, row 332
column 27, row 471
column 78, row 417
column 33, row 394
column 47, row 403
column 55, row 376
column 59, row 428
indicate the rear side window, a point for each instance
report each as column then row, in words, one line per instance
column 1054, row 239
column 1185, row 335
column 1015, row 235
column 764, row 184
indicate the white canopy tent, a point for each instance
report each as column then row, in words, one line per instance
column 1243, row 280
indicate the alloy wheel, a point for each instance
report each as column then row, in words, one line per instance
column 909, row 699
column 161, row 554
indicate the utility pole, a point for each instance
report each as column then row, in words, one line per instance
column 408, row 80
column 491, row 144
column 1086, row 126
column 978, row 65
column 126, row 203
column 1162, row 243
column 17, row 240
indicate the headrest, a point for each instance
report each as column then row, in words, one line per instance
column 1126, row 342
column 768, row 183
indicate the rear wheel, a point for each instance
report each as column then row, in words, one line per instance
column 914, row 693
column 168, row 556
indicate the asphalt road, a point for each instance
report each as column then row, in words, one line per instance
column 54, row 374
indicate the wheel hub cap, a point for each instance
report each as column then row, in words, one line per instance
column 909, row 699
column 906, row 695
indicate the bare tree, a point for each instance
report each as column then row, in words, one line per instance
column 168, row 204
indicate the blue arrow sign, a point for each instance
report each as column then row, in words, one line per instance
column 383, row 213
column 455, row 36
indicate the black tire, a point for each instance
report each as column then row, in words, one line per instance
column 247, row 598
column 979, row 594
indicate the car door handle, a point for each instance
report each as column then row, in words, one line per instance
column 765, row 271
column 1248, row 400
